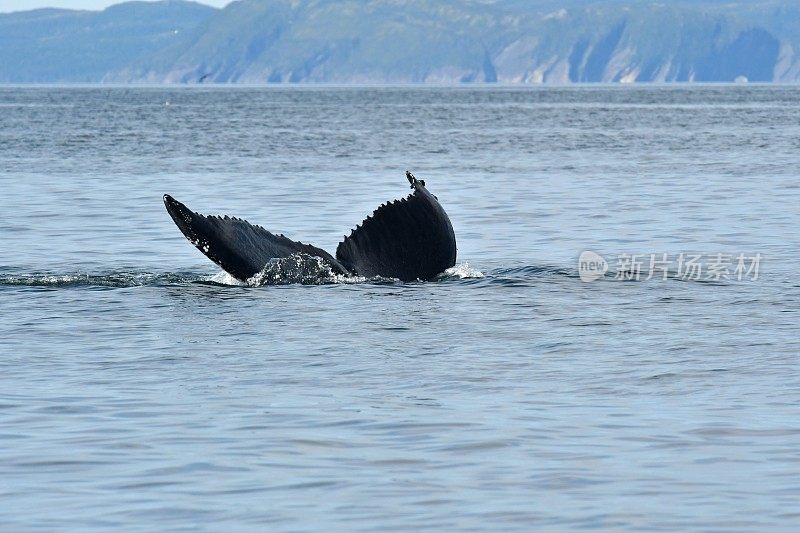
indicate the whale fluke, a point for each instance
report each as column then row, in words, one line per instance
column 407, row 239
column 240, row 248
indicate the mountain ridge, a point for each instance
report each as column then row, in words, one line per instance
column 405, row 41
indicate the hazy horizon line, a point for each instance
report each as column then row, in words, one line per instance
column 397, row 85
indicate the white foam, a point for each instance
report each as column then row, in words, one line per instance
column 223, row 278
column 462, row 271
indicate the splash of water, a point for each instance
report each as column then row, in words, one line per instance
column 461, row 271
column 223, row 278
column 298, row 268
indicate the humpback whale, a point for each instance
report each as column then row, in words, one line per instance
column 409, row 239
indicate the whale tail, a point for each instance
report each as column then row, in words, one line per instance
column 240, row 248
column 408, row 239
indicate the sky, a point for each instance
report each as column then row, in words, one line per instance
column 24, row 5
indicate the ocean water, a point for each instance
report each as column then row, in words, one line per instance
column 141, row 387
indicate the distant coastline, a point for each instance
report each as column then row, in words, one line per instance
column 432, row 86
column 424, row 42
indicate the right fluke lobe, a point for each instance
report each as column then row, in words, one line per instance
column 408, row 239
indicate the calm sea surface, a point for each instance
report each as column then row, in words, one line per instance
column 141, row 387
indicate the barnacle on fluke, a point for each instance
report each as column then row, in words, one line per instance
column 407, row 239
